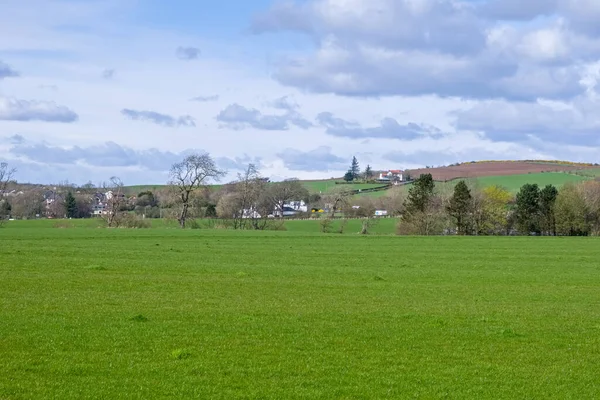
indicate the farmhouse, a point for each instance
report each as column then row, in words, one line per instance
column 394, row 176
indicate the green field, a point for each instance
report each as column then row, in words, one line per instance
column 383, row 226
column 166, row 313
column 514, row 182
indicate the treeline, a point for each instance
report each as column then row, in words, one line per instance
column 574, row 210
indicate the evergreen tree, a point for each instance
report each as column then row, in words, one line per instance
column 528, row 209
column 355, row 169
column 548, row 197
column 349, row 176
column 368, row 173
column 460, row 207
column 420, row 194
column 70, row 206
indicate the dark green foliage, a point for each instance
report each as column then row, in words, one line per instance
column 71, row 206
column 5, row 208
column 355, row 169
column 210, row 211
column 548, row 197
column 349, row 176
column 420, row 194
column 368, row 173
column 528, row 210
column 460, row 208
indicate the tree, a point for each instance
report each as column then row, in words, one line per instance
column 548, row 197
column 280, row 193
column 5, row 209
column 570, row 212
column 338, row 198
column 420, row 194
column 355, row 169
column 528, row 209
column 6, row 176
column 490, row 210
column 349, row 176
column 115, row 202
column 368, row 173
column 423, row 211
column 189, row 175
column 70, row 205
column 244, row 203
column 460, row 207
column 590, row 191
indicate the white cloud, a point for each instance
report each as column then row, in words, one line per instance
column 31, row 110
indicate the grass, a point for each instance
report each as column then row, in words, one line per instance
column 514, row 182
column 293, row 315
column 382, row 226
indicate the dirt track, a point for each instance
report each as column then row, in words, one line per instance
column 494, row 168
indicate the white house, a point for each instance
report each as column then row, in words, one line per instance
column 393, row 175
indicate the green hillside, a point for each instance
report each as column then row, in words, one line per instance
column 514, row 182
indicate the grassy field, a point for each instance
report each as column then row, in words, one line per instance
column 383, row 226
column 514, row 182
column 160, row 313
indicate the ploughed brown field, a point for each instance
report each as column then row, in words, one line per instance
column 493, row 168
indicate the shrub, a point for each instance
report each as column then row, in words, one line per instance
column 132, row 221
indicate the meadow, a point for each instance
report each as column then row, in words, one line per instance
column 167, row 313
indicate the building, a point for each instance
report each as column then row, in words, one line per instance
column 394, row 176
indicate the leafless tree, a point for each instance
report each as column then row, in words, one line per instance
column 338, row 198
column 29, row 204
column 280, row 193
column 6, row 176
column 115, row 202
column 189, row 175
column 245, row 202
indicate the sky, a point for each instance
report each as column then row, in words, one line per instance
column 91, row 89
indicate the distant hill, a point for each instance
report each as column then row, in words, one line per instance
column 499, row 168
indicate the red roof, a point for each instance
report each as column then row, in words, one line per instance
column 395, row 171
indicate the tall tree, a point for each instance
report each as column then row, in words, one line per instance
column 570, row 209
column 6, row 176
column 460, row 207
column 355, row 169
column 548, row 197
column 420, row 193
column 528, row 209
column 115, row 202
column 189, row 175
column 490, row 210
column 243, row 201
column 70, row 205
column 368, row 173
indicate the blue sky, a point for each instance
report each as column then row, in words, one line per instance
column 90, row 89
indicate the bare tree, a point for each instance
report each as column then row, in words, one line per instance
column 338, row 198
column 115, row 202
column 189, row 175
column 6, row 176
column 282, row 192
column 245, row 201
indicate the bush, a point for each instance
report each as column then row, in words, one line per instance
column 132, row 221
column 326, row 224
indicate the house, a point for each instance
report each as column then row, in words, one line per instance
column 99, row 204
column 292, row 208
column 394, row 176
